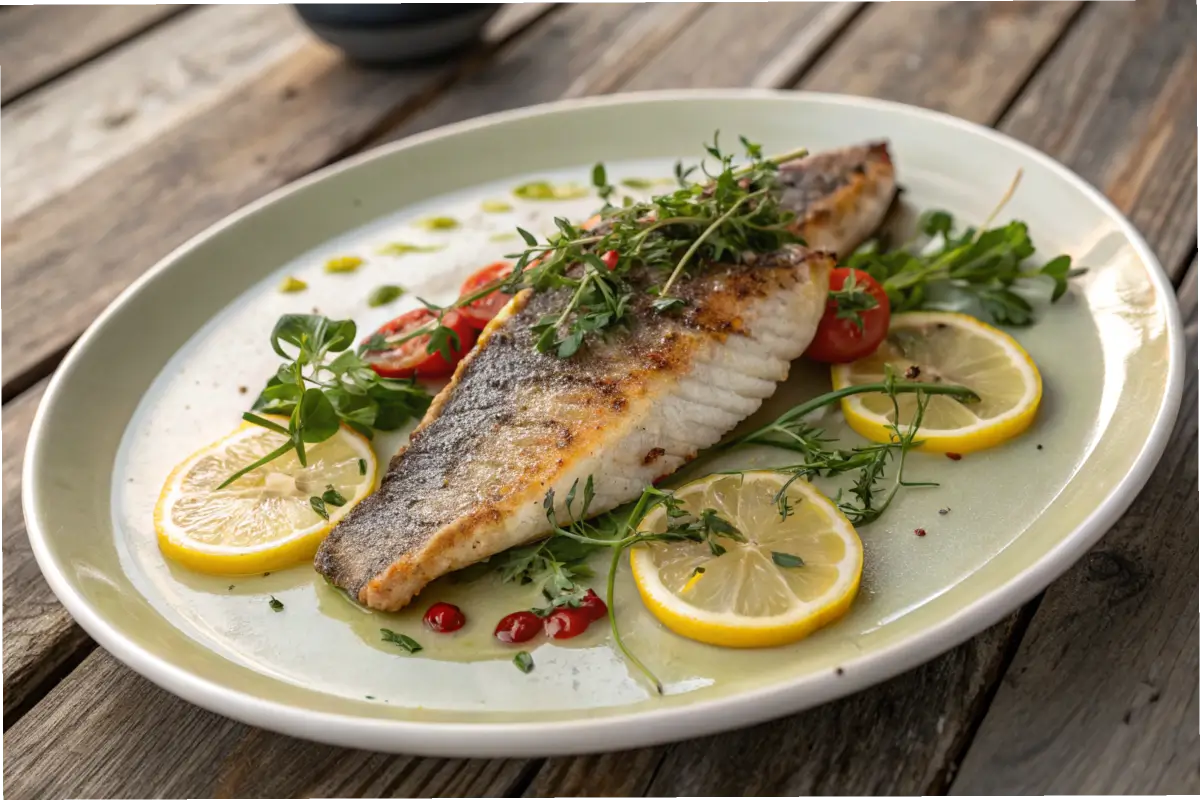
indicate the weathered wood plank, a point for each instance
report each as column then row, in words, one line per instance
column 40, row 43
column 40, row 638
column 582, row 46
column 66, row 259
column 106, row 732
column 1117, row 104
column 968, row 59
column 58, row 136
column 1101, row 697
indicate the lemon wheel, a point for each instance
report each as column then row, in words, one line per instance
column 265, row 519
column 944, row 347
column 790, row 577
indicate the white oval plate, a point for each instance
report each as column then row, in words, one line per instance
column 155, row 377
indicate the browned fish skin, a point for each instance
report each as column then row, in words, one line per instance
column 839, row 195
column 514, row 422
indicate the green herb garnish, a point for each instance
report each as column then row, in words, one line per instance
column 524, row 662
column 362, row 466
column 276, row 606
column 332, row 497
column 318, row 505
column 786, row 560
column 382, row 295
column 325, row 385
column 979, row 267
column 406, row 643
column 735, row 212
column 495, row 206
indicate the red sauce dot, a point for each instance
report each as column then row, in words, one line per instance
column 919, row 531
column 593, row 606
column 567, row 623
column 520, row 626
column 954, row 456
column 444, row 618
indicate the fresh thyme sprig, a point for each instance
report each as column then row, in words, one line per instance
column 323, row 385
column 736, row 211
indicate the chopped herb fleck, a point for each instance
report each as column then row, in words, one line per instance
column 291, row 285
column 362, row 466
column 1039, row 447
column 544, row 190
column 382, row 295
column 438, row 223
column 496, row 206
column 370, row 697
column 406, row 643
column 786, row 559
column 231, row 587
column 276, row 606
column 332, row 497
column 524, row 662
column 398, row 249
column 944, row 511
column 343, row 264
column 318, row 505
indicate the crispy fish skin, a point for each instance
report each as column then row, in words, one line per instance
column 627, row 409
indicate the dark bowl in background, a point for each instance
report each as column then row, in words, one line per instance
column 398, row 34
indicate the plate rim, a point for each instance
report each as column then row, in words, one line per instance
column 653, row 726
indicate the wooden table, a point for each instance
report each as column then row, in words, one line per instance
column 145, row 125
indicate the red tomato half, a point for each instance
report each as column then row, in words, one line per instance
column 842, row 339
column 480, row 312
column 411, row 358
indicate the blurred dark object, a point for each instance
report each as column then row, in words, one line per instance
column 399, row 34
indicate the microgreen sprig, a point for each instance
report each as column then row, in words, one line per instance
column 323, row 385
column 736, row 211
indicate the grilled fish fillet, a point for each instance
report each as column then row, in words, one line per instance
column 626, row 409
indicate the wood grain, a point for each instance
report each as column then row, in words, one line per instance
column 581, row 47
column 967, row 59
column 40, row 43
column 106, row 732
column 58, row 136
column 70, row 256
column 1101, row 697
column 895, row 738
column 1117, row 104
column 40, row 638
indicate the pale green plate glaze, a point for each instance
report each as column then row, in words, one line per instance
column 157, row 376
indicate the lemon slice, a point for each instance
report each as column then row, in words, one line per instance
column 265, row 519
column 944, row 347
column 791, row 576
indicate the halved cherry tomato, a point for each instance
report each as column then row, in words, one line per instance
column 480, row 312
column 849, row 329
column 610, row 259
column 593, row 606
column 411, row 357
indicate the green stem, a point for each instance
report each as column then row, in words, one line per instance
column 612, row 619
column 898, row 387
column 265, row 459
column 708, row 232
